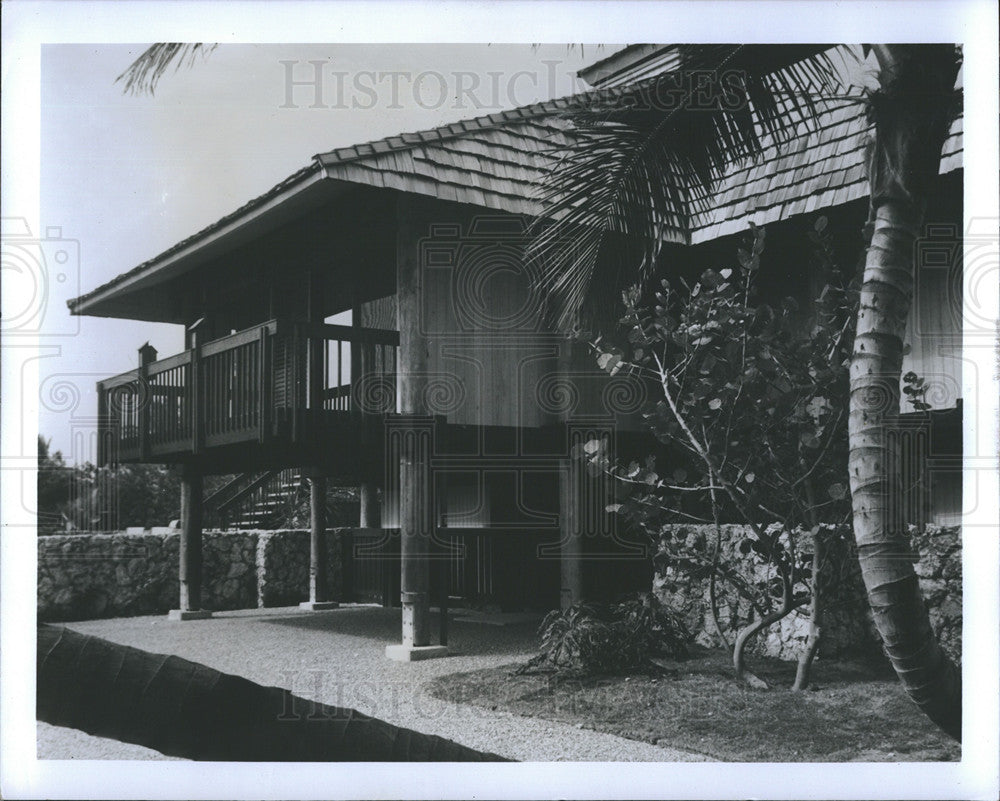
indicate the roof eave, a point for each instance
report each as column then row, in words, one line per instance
column 196, row 248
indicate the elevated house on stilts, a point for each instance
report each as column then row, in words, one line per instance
column 372, row 322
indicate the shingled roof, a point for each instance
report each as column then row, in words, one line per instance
column 818, row 169
column 499, row 160
column 496, row 162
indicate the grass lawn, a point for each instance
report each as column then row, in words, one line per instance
column 855, row 712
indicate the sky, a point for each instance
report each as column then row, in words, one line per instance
column 124, row 177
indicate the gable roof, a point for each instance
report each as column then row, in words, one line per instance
column 517, row 139
column 498, row 161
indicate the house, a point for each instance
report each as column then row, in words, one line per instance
column 372, row 321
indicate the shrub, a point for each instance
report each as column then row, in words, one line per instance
column 589, row 639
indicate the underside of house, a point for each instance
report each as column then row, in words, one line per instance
column 372, row 322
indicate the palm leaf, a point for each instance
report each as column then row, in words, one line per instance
column 646, row 156
column 145, row 72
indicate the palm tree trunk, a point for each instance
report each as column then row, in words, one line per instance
column 185, row 709
column 927, row 674
column 911, row 121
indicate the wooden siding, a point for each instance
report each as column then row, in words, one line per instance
column 491, row 358
column 934, row 334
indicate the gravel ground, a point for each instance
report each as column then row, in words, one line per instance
column 338, row 657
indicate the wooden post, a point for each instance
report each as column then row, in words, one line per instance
column 316, row 348
column 147, row 355
column 371, row 509
column 190, row 566
column 196, row 393
column 104, row 428
column 412, row 438
column 583, row 518
column 358, row 361
column 319, row 592
column 347, row 565
column 416, row 506
column 318, row 588
column 570, row 539
column 444, row 558
column 294, row 377
column 265, row 380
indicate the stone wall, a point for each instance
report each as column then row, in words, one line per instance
column 83, row 576
column 282, row 562
column 848, row 629
column 939, row 570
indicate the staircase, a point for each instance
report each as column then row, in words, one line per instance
column 257, row 501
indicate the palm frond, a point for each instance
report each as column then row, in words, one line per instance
column 646, row 156
column 145, row 72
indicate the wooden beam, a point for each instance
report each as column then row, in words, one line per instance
column 350, row 333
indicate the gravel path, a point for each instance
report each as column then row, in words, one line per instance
column 338, row 657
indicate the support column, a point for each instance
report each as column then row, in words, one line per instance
column 570, row 525
column 319, row 591
column 371, row 508
column 190, row 567
column 583, row 499
column 570, row 536
column 410, row 440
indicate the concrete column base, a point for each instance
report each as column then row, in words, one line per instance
column 318, row 606
column 188, row 614
column 415, row 653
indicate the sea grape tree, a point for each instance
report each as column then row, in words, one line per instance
column 751, row 400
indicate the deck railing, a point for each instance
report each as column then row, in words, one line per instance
column 270, row 381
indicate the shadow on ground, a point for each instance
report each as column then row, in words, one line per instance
column 383, row 625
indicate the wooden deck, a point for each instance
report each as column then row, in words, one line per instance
column 271, row 395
